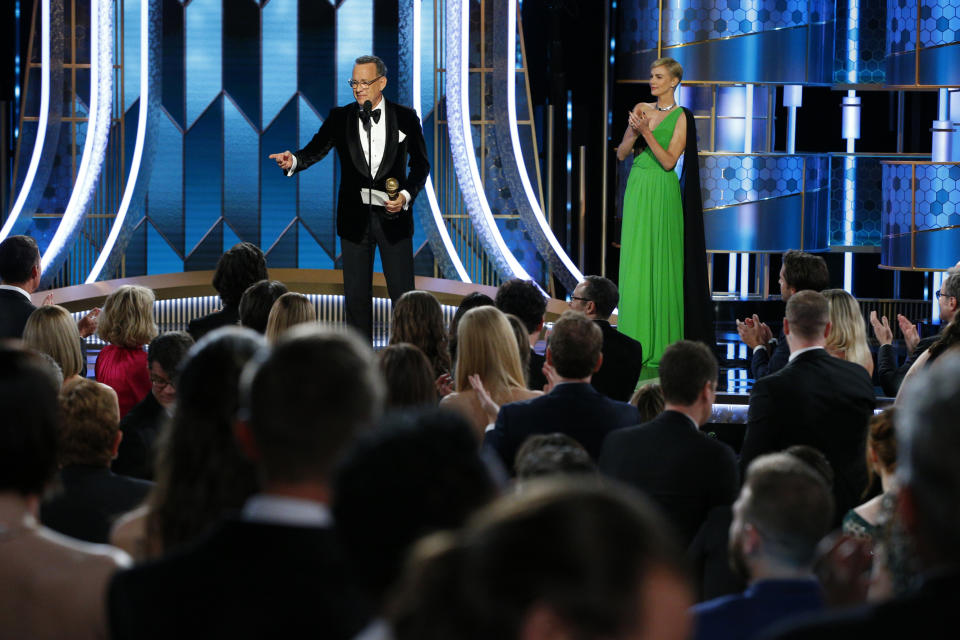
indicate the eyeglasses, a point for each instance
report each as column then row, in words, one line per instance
column 945, row 295
column 580, row 299
column 160, row 383
column 363, row 83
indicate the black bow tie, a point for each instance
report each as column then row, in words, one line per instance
column 375, row 114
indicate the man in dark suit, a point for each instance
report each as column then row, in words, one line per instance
column 92, row 496
column 597, row 297
column 816, row 400
column 524, row 299
column 276, row 570
column 928, row 510
column 800, row 271
column 237, row 269
column 682, row 469
column 573, row 407
column 890, row 375
column 367, row 215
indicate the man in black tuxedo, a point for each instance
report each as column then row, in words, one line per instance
column 597, row 297
column 367, row 217
column 682, row 469
column 237, row 269
column 816, row 400
column 275, row 571
column 573, row 407
column 800, row 271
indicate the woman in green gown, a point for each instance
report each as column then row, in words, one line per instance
column 652, row 241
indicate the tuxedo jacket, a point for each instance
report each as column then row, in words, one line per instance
column 574, row 409
column 137, row 449
column 683, row 470
column 890, row 375
column 14, row 311
column 763, row 363
column 199, row 327
column 244, row 580
column 341, row 131
column 622, row 362
column 820, row 401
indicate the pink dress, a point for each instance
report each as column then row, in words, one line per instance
column 126, row 371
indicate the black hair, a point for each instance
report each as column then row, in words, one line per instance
column 685, row 368
column 256, row 302
column 168, row 350
column 237, row 269
column 18, row 255
column 523, row 299
column 603, row 293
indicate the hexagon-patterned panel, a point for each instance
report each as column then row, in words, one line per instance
column 861, row 43
column 856, row 201
column 736, row 179
column 939, row 22
column 902, row 26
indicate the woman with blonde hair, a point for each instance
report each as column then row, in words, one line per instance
column 52, row 331
column 418, row 319
column 487, row 348
column 290, row 309
column 848, row 333
column 126, row 325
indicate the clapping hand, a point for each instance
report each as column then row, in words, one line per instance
column 87, row 325
column 911, row 337
column 753, row 332
column 881, row 328
column 639, row 123
column 489, row 407
column 444, row 384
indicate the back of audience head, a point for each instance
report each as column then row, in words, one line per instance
column 523, row 299
column 784, row 509
column 90, row 432
column 575, row 346
column 19, row 255
column 600, row 297
column 50, row 329
column 881, row 444
column 238, row 268
column 523, row 343
column 200, row 472
column 164, row 357
column 415, row 474
column 305, row 399
column 31, row 420
column 688, row 376
column 927, row 471
column 470, row 301
column 649, row 401
column 815, row 459
column 552, row 454
column 127, row 317
column 54, row 367
column 418, row 319
column 256, row 302
column 803, row 271
column 408, row 375
column 289, row 310
column 488, row 349
column 585, row 561
column 848, row 334
column 808, row 314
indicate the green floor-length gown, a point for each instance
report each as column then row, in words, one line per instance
column 651, row 254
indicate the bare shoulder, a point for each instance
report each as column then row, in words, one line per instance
column 645, row 107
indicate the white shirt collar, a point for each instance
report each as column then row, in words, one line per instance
column 794, row 354
column 10, row 287
column 294, row 512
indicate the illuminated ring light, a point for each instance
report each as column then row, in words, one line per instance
column 95, row 146
column 461, row 142
column 437, row 234
column 514, row 170
column 48, row 126
column 138, row 181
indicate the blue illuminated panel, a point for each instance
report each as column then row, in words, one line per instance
column 241, row 164
column 203, row 20
column 203, row 151
column 317, row 188
column 278, row 66
column 278, row 193
column 131, row 53
column 354, row 38
column 165, row 198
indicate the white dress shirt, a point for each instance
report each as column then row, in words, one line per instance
column 292, row 512
column 10, row 287
column 799, row 351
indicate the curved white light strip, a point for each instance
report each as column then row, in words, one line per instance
column 42, row 124
column 461, row 138
column 428, row 187
column 132, row 179
column 98, row 133
column 515, row 143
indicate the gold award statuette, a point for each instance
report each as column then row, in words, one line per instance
column 393, row 186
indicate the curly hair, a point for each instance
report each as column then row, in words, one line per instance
column 127, row 317
column 523, row 299
column 418, row 319
column 89, row 425
column 237, row 269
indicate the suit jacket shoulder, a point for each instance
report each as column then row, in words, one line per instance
column 621, row 366
column 14, row 312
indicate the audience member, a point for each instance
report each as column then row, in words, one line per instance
column 470, row 301
column 488, row 350
column 256, row 302
column 783, row 512
column 126, row 325
column 928, row 508
column 555, row 561
column 945, row 340
column 648, row 400
column 276, row 570
column 289, row 310
column 523, row 344
column 683, row 470
column 418, row 319
column 597, row 297
column 201, row 474
column 140, row 427
column 573, row 407
column 416, row 474
column 51, row 330
column 50, row 586
column 237, row 269
column 524, row 299
column 90, row 496
column 818, row 400
column 800, row 271
column 848, row 333
column 409, row 377
column 890, row 375
column 552, row 454
column 54, row 367
column 881, row 456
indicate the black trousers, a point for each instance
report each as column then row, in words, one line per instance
column 358, row 257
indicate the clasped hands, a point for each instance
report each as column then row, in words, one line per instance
column 884, row 333
column 640, row 124
column 753, row 332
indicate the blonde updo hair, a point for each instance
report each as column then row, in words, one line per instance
column 51, row 330
column 672, row 66
column 486, row 346
column 289, row 309
column 127, row 317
